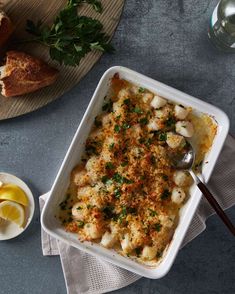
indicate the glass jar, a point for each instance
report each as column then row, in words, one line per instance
column 222, row 26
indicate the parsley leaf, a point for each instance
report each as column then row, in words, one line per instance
column 141, row 90
column 80, row 224
column 137, row 110
column 170, row 122
column 117, row 128
column 109, row 165
column 108, row 106
column 111, row 146
column 108, row 212
column 71, row 36
column 138, row 251
column 117, row 193
column 127, row 101
column 162, row 137
column 158, row 227
column 143, row 121
column 152, row 212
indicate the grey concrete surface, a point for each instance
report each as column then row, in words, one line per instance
column 166, row 40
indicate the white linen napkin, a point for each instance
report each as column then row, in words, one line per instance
column 86, row 274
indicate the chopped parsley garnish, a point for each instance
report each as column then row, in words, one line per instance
column 170, row 122
column 108, row 212
column 123, row 214
column 143, row 121
column 127, row 181
column 158, row 227
column 109, row 165
column 108, row 106
column 142, row 177
column 152, row 212
column 166, row 193
column 165, row 177
column 117, row 193
column 141, row 140
column 79, row 208
column 91, row 149
column 80, row 224
column 118, row 178
column 106, row 180
column 118, row 117
column 127, row 101
column 148, row 142
column 162, row 137
column 132, row 210
column 141, row 90
column 153, row 159
column 137, row 110
column 138, row 251
column 117, row 128
column 111, row 146
column 126, row 126
column 125, row 163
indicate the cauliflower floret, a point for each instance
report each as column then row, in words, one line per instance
column 154, row 125
column 106, row 119
column 123, row 94
column 79, row 211
column 126, row 243
column 174, row 140
column 149, row 252
column 182, row 178
column 135, row 90
column 94, row 196
column 108, row 239
column 184, row 128
column 164, row 112
column 118, row 109
column 158, row 102
column 166, row 221
column 85, row 191
column 147, row 97
column 92, row 166
column 178, row 195
column 134, row 132
column 106, row 156
column 181, row 112
column 80, row 177
column 93, row 231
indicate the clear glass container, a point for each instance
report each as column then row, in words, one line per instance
column 222, row 26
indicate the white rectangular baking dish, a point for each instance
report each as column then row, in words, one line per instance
column 52, row 226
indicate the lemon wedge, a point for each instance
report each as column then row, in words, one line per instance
column 13, row 212
column 13, row 193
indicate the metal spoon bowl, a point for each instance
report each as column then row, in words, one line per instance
column 185, row 161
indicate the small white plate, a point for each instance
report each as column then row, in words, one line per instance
column 10, row 230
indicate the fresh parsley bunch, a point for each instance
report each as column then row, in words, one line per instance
column 71, row 36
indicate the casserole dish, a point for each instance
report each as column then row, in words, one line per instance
column 52, row 226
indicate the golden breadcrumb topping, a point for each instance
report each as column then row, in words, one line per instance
column 125, row 194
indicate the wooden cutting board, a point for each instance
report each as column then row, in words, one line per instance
column 19, row 12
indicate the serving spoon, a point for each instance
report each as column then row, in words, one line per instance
column 185, row 161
